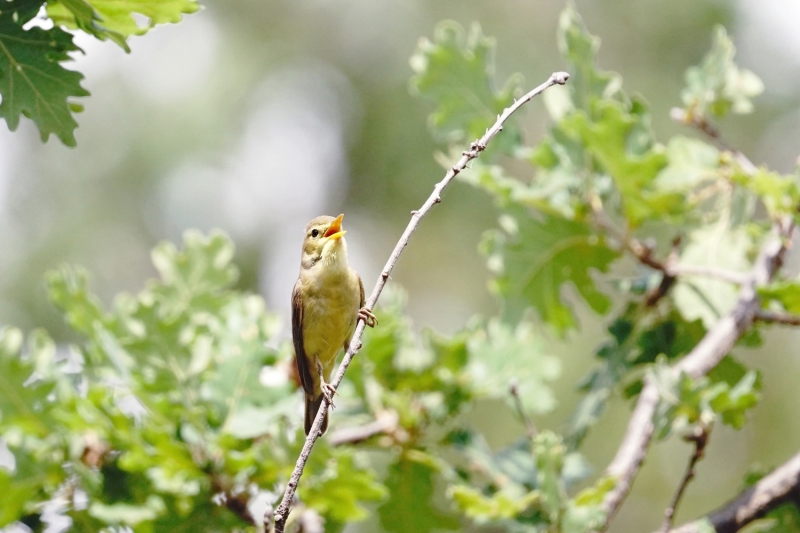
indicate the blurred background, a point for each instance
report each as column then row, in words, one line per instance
column 255, row 116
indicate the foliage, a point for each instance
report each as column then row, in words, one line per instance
column 33, row 79
column 602, row 186
column 179, row 406
column 160, row 412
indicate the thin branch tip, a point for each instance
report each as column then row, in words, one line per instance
column 560, row 77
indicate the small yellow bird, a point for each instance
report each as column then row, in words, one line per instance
column 327, row 301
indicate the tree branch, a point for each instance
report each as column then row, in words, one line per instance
column 778, row 317
column 385, row 422
column 282, row 512
column 717, row 342
column 700, row 440
column 779, row 487
column 513, row 388
column 699, row 122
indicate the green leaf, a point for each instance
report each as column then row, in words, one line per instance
column 501, row 505
column 538, row 253
column 68, row 288
column 612, row 134
column 499, row 354
column 114, row 19
column 128, row 514
column 715, row 245
column 780, row 194
column 32, row 80
column 686, row 402
column 456, row 72
column 579, row 48
column 338, row 490
column 786, row 293
column 584, row 512
column 636, row 340
column 24, row 393
column 690, row 163
column 549, row 452
column 515, row 463
column 411, row 506
column 717, row 86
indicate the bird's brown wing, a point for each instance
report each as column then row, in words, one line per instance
column 303, row 364
column 362, row 301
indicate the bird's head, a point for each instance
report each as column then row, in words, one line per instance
column 324, row 242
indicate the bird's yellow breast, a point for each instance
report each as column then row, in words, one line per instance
column 330, row 308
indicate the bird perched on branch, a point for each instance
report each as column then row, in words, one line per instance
column 327, row 301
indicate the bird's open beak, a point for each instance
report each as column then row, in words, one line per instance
column 335, row 231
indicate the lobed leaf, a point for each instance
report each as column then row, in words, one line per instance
column 718, row 86
column 117, row 19
column 456, row 72
column 536, row 254
column 33, row 81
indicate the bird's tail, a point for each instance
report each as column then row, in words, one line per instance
column 312, row 406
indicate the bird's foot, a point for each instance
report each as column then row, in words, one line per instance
column 368, row 317
column 328, row 391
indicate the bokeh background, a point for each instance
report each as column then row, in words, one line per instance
column 254, row 116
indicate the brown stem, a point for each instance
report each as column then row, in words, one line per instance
column 282, row 512
column 513, row 388
column 386, row 422
column 779, row 487
column 700, row 440
column 778, row 317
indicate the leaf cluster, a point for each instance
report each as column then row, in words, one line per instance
column 34, row 81
column 602, row 215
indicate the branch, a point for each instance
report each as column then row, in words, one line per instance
column 716, row 343
column 282, row 512
column 644, row 254
column 722, row 274
column 778, row 317
column 700, row 440
column 779, row 487
column 385, row 422
column 513, row 388
column 698, row 121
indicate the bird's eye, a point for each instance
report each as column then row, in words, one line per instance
column 315, row 233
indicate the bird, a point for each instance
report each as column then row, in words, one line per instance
column 327, row 302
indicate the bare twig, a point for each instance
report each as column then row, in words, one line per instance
column 778, row 317
column 513, row 388
column 386, row 422
column 644, row 253
column 700, row 440
column 781, row 486
column 282, row 512
column 722, row 274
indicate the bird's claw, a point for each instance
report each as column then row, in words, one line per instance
column 368, row 317
column 328, row 391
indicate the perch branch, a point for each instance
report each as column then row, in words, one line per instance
column 282, row 512
column 779, row 487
